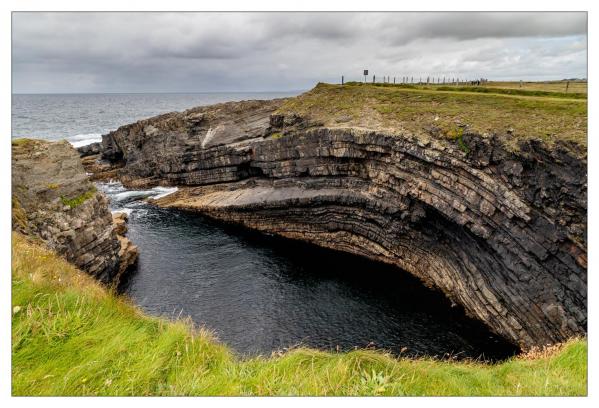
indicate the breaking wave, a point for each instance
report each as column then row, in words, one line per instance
column 85, row 139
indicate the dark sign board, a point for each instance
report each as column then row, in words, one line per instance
column 365, row 72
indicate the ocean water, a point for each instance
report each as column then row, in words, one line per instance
column 83, row 118
column 257, row 293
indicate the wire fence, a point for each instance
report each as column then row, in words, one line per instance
column 565, row 85
column 415, row 80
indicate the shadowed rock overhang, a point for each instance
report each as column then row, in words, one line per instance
column 500, row 231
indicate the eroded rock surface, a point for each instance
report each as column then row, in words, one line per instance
column 500, row 232
column 128, row 253
column 120, row 220
column 53, row 200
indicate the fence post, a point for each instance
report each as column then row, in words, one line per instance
column 567, row 86
column 342, row 80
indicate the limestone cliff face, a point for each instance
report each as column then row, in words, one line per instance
column 53, row 200
column 500, row 232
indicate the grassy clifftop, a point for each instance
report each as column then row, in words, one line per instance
column 72, row 337
column 441, row 110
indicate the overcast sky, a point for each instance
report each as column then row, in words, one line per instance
column 203, row 52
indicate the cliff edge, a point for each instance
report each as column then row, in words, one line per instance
column 54, row 201
column 489, row 210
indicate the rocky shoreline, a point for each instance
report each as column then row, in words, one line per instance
column 55, row 202
column 500, row 232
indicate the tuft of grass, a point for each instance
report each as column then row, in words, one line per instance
column 24, row 145
column 514, row 115
column 21, row 141
column 71, row 336
column 457, row 134
column 19, row 216
column 78, row 200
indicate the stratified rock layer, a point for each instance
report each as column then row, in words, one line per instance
column 502, row 233
column 53, row 200
column 128, row 253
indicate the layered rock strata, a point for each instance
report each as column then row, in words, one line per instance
column 128, row 252
column 54, row 201
column 500, row 232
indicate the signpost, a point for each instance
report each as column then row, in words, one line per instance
column 365, row 75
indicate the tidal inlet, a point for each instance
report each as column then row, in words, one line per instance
column 299, row 204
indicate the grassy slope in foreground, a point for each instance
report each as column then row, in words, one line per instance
column 72, row 337
column 417, row 109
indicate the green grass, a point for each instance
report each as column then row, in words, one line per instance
column 19, row 216
column 550, row 86
column 434, row 111
column 70, row 336
column 513, row 91
column 78, row 200
column 490, row 88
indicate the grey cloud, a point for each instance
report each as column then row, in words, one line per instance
column 472, row 25
column 161, row 52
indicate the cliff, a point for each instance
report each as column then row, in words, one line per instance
column 492, row 213
column 54, row 201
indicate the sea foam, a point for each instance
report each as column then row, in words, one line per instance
column 163, row 191
column 84, row 139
